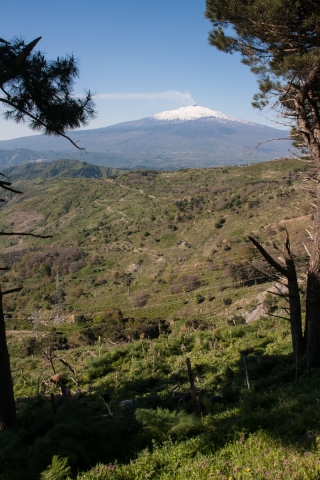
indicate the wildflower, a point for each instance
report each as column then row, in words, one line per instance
column 286, row 461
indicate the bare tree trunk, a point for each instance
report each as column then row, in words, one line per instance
column 8, row 415
column 313, row 286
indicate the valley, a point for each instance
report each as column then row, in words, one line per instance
column 156, row 267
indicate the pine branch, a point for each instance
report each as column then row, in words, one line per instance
column 38, row 121
column 26, row 234
column 12, row 290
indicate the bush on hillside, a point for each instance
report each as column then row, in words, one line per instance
column 147, row 327
column 236, row 320
column 139, row 299
column 195, row 324
column 185, row 281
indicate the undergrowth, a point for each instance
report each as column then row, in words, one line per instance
column 268, row 431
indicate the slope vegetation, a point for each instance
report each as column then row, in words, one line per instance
column 154, row 268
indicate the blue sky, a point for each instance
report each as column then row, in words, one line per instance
column 139, row 57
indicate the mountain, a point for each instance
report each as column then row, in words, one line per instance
column 58, row 169
column 22, row 156
column 191, row 136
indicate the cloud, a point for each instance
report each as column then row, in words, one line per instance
column 182, row 98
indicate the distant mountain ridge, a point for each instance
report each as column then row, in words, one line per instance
column 22, row 156
column 190, row 136
column 64, row 168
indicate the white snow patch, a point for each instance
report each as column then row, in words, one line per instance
column 195, row 112
column 192, row 112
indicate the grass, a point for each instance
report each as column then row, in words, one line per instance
column 269, row 431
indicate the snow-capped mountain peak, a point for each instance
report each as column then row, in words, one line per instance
column 192, row 112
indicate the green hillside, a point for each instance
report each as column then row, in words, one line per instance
column 63, row 168
column 156, row 267
column 22, row 156
column 154, row 227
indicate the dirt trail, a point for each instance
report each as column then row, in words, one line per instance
column 141, row 191
column 109, row 209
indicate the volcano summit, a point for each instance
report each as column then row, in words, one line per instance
column 191, row 136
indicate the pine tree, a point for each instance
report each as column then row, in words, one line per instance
column 280, row 41
column 39, row 92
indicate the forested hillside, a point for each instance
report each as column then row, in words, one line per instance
column 154, row 268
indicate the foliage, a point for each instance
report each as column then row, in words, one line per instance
column 284, row 51
column 39, row 91
column 58, row 470
column 108, row 244
column 255, row 456
column 161, row 424
column 229, row 437
column 220, row 222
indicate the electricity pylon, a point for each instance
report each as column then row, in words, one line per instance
column 36, row 322
column 58, row 308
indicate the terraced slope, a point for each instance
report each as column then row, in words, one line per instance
column 152, row 233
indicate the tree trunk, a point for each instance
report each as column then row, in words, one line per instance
column 8, row 415
column 298, row 340
column 289, row 271
column 313, row 286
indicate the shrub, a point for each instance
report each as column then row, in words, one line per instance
column 82, row 319
column 76, row 292
column 227, row 301
column 220, row 222
column 112, row 313
column 161, row 424
column 148, row 327
column 236, row 320
column 197, row 324
column 75, row 266
column 58, row 470
column 185, row 280
column 139, row 299
column 199, row 298
column 270, row 303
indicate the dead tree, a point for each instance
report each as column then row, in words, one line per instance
column 288, row 270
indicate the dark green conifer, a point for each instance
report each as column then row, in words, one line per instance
column 39, row 92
